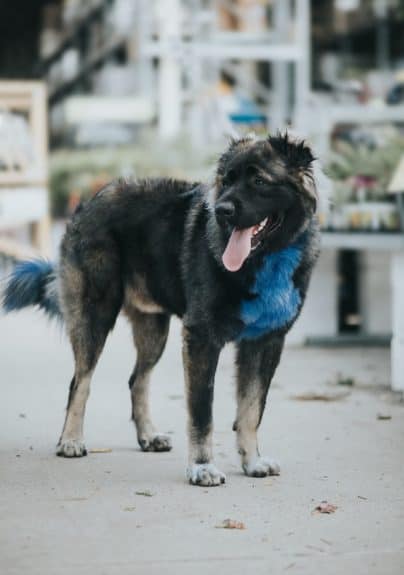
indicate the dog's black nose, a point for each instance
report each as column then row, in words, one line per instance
column 225, row 211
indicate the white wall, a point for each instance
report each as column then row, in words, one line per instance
column 375, row 293
column 319, row 315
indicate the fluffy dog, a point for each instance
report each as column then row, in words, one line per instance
column 232, row 259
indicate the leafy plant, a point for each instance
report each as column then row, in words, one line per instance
column 79, row 173
column 376, row 163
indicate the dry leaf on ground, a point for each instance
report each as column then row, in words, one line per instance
column 231, row 524
column 145, row 493
column 325, row 507
column 100, row 450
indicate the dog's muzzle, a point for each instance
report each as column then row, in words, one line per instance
column 225, row 212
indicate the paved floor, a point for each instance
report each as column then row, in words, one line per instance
column 87, row 517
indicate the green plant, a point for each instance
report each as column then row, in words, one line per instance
column 347, row 162
column 79, row 173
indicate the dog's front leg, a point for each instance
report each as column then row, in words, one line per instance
column 256, row 363
column 200, row 360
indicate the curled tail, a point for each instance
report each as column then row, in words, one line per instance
column 32, row 283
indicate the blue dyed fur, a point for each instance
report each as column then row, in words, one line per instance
column 277, row 301
column 30, row 283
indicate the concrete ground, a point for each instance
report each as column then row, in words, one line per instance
column 95, row 515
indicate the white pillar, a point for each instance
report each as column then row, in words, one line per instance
column 375, row 292
column 170, row 97
column 279, row 108
column 303, row 66
column 319, row 316
column 197, row 109
column 143, row 36
column 397, row 301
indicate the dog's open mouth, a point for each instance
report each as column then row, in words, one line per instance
column 243, row 241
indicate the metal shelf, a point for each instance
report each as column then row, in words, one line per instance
column 228, row 50
column 383, row 241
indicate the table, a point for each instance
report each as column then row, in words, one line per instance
column 392, row 244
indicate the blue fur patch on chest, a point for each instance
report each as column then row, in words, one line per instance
column 277, row 300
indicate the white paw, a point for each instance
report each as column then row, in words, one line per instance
column 261, row 467
column 205, row 474
column 157, row 443
column 71, row 448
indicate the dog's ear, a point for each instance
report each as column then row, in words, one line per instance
column 297, row 158
column 296, row 154
column 235, row 145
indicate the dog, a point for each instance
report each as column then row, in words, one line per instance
column 232, row 259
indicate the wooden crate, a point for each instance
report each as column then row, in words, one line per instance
column 24, row 160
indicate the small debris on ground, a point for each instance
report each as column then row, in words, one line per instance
column 362, row 497
column 144, row 493
column 231, row 524
column 321, row 396
column 325, row 507
column 129, row 508
column 23, row 415
column 383, row 416
column 315, row 548
column 325, row 541
column 346, row 381
column 175, row 396
column 100, row 450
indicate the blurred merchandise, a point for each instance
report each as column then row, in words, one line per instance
column 362, row 172
column 377, row 216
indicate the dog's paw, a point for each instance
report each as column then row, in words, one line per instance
column 156, row 443
column 261, row 467
column 205, row 474
column 71, row 448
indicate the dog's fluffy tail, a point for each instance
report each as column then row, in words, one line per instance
column 32, row 283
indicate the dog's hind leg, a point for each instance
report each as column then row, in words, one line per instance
column 90, row 309
column 256, row 363
column 71, row 441
column 150, row 331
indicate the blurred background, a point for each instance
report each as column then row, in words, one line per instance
column 94, row 89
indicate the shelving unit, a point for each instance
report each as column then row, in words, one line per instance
column 96, row 41
column 199, row 62
column 76, row 37
column 23, row 160
column 87, row 67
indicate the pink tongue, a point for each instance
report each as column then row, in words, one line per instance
column 237, row 249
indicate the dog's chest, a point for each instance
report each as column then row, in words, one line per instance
column 275, row 299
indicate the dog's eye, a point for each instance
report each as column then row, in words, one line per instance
column 229, row 178
column 259, row 182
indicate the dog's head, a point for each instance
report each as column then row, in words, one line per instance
column 264, row 196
